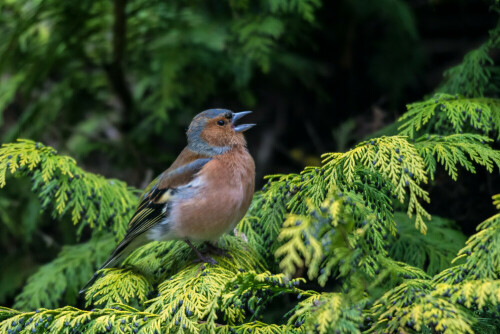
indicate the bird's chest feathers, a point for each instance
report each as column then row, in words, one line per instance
column 216, row 199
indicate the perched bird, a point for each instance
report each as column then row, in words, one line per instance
column 203, row 194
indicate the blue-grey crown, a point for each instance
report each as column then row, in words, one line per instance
column 212, row 113
column 197, row 144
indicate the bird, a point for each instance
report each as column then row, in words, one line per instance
column 202, row 195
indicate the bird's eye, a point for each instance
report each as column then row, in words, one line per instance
column 221, row 123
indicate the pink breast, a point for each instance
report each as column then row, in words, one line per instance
column 223, row 194
column 207, row 216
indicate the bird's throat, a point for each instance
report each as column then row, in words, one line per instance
column 201, row 147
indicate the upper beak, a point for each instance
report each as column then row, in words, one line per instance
column 242, row 127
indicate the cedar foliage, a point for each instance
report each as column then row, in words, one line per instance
column 350, row 239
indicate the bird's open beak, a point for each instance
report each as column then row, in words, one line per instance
column 242, row 127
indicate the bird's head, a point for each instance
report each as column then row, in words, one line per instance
column 215, row 131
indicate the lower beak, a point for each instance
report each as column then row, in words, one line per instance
column 242, row 127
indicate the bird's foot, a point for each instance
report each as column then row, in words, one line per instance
column 201, row 257
column 212, row 249
column 205, row 259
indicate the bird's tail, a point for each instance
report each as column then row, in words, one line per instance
column 118, row 255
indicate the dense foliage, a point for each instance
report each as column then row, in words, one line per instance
column 346, row 246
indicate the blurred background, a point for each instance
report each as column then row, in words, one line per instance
column 115, row 83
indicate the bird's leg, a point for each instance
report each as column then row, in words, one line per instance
column 201, row 257
column 213, row 249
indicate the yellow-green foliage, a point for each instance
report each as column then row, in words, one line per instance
column 328, row 313
column 456, row 150
column 396, row 160
column 446, row 114
column 442, row 303
column 189, row 296
column 413, row 305
column 133, row 289
column 90, row 199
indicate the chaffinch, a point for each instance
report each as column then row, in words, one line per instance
column 203, row 194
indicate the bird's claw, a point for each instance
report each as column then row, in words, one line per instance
column 205, row 259
column 212, row 249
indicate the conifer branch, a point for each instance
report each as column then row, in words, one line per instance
column 63, row 187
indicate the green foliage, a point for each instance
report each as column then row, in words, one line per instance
column 433, row 251
column 133, row 289
column 62, row 278
column 482, row 245
column 395, row 160
column 448, row 301
column 477, row 75
column 414, row 306
column 457, row 151
column 190, row 295
column 193, row 292
column 90, row 199
column 465, row 102
column 328, row 313
column 447, row 114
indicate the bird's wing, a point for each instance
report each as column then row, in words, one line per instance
column 153, row 207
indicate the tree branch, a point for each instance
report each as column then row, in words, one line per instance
column 114, row 70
